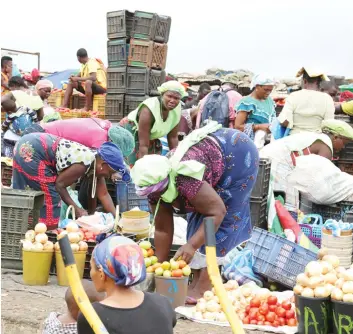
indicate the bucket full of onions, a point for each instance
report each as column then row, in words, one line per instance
column 37, row 254
column 79, row 249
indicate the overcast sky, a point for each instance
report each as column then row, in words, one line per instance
column 276, row 37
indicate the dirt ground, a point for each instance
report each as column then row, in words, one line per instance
column 24, row 308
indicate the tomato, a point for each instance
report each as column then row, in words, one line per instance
column 150, row 253
column 260, row 317
column 267, row 323
column 282, row 321
column 272, row 300
column 254, row 309
column 263, row 309
column 275, row 323
column 255, row 302
column 253, row 322
column 271, row 316
column 246, row 321
column 286, row 305
column 281, row 312
column 260, row 323
column 272, row 308
column 247, row 309
column 292, row 322
column 253, row 315
column 290, row 314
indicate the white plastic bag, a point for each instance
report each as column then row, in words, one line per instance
column 319, row 179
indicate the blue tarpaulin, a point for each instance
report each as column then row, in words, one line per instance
column 57, row 77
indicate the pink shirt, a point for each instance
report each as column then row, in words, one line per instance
column 233, row 98
column 91, row 132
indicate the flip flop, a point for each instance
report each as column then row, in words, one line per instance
column 190, row 301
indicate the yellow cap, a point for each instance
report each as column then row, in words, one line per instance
column 313, row 73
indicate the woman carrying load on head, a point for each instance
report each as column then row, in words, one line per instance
column 155, row 118
column 257, row 110
column 210, row 174
column 50, row 164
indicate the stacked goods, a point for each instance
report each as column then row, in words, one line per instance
column 75, row 237
column 37, row 240
column 137, row 54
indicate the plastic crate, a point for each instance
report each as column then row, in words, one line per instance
column 137, row 81
column 345, row 166
column 336, row 211
column 156, row 78
column 6, row 174
column 346, row 154
column 348, row 217
column 114, row 107
column 258, row 208
column 277, row 258
column 159, row 56
column 19, row 212
column 99, row 104
column 56, row 98
column 132, row 102
column 144, row 25
column 162, row 29
column 263, row 179
column 118, row 52
column 345, row 118
column 119, row 24
column 128, row 199
column 140, row 53
column 117, row 80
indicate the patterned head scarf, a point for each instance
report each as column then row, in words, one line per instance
column 121, row 259
column 337, row 128
column 173, row 86
column 44, row 84
column 261, row 80
column 123, row 139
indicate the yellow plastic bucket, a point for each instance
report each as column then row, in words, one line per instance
column 36, row 266
column 136, row 222
column 80, row 258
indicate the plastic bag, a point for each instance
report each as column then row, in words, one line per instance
column 278, row 131
column 74, row 195
column 238, row 266
column 100, row 222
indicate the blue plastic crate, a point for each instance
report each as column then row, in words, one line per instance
column 277, row 258
column 128, row 199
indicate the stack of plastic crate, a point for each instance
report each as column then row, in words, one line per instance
column 137, row 54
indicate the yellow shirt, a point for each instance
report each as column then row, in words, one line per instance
column 347, row 107
column 93, row 66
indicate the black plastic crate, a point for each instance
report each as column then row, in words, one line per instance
column 20, row 211
column 118, row 52
column 347, row 153
column 156, row 78
column 116, row 80
column 162, row 29
column 132, row 102
column 258, row 208
column 345, row 166
column 335, row 211
column 128, row 199
column 114, row 107
column 263, row 179
column 348, row 217
column 6, row 174
column 119, row 24
column 137, row 81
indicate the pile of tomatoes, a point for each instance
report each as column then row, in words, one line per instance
column 86, row 235
column 270, row 313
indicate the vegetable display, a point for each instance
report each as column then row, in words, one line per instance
column 36, row 240
column 75, row 237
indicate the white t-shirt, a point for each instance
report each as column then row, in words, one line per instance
column 306, row 109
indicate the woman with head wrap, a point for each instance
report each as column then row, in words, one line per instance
column 305, row 109
column 283, row 152
column 117, row 264
column 211, row 174
column 155, row 118
column 256, row 111
column 50, row 164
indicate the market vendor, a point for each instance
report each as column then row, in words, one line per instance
column 305, row 109
column 50, row 164
column 210, row 174
column 257, row 110
column 91, row 80
column 283, row 152
column 155, row 118
column 6, row 73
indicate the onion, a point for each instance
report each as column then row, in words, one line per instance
column 298, row 289
column 209, row 316
column 263, row 294
column 57, row 246
column 348, row 298
column 321, row 292
column 74, row 238
column 329, row 287
column 307, row 292
column 347, row 287
column 330, row 278
column 246, row 291
column 228, row 287
column 208, row 295
column 216, row 299
column 339, row 283
column 340, row 271
column 337, row 294
column 212, row 306
column 303, row 279
column 221, row 317
column 37, row 246
column 40, row 228
column 322, row 252
column 75, row 247
column 327, row 267
column 201, row 300
column 234, row 284
column 82, row 246
column 42, row 238
column 201, row 307
column 48, row 246
column 313, row 268
column 27, row 245
column 333, row 259
column 62, row 234
column 72, row 227
column 348, row 275
column 30, row 235
column 316, row 281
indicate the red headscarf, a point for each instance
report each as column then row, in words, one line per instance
column 346, row 96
